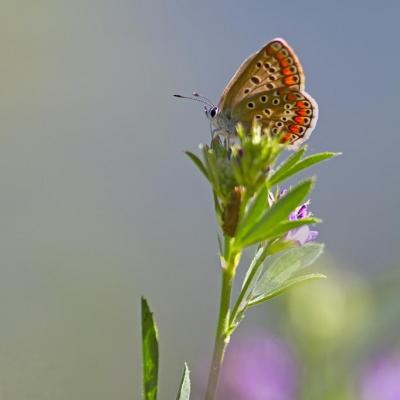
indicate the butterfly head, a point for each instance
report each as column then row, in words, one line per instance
column 211, row 112
column 220, row 123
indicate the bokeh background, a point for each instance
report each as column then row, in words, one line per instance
column 99, row 205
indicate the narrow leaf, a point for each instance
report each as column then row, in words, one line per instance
column 258, row 259
column 287, row 226
column 150, row 353
column 259, row 205
column 287, row 285
column 301, row 165
column 184, row 388
column 277, row 213
column 252, row 275
column 199, row 164
column 287, row 165
column 211, row 164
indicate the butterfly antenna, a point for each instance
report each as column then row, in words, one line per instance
column 195, row 94
column 200, row 100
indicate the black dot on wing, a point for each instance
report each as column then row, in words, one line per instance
column 263, row 98
column 269, row 86
column 255, row 79
column 259, row 64
column 246, row 91
column 275, row 102
column 251, row 105
column 258, row 116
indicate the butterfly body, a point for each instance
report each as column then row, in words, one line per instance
column 268, row 89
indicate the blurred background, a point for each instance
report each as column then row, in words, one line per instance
column 99, row 204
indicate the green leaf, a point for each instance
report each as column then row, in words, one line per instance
column 276, row 214
column 287, row 165
column 150, row 353
column 281, row 271
column 307, row 162
column 259, row 205
column 287, row 285
column 287, row 226
column 184, row 388
column 212, row 168
column 199, row 164
column 277, row 246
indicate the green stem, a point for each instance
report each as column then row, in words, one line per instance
column 222, row 335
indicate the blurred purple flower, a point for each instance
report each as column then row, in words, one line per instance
column 381, row 380
column 258, row 368
column 303, row 234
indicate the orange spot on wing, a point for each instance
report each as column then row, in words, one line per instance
column 302, row 112
column 280, row 55
column 286, row 137
column 287, row 71
column 291, row 97
column 284, row 62
column 301, row 104
column 300, row 120
column 294, row 129
column 270, row 50
column 290, row 80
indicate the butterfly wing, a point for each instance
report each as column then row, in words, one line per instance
column 274, row 66
column 285, row 111
column 269, row 88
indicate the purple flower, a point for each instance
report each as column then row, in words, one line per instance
column 303, row 234
column 381, row 379
column 258, row 368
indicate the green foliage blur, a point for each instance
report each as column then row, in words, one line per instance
column 336, row 328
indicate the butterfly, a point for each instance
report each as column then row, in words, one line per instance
column 268, row 88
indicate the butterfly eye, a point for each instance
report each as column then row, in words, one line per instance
column 213, row 112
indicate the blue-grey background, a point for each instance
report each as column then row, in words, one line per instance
column 99, row 204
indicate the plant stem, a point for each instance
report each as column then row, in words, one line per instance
column 222, row 335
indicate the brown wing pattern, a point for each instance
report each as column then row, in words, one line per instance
column 283, row 111
column 274, row 66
